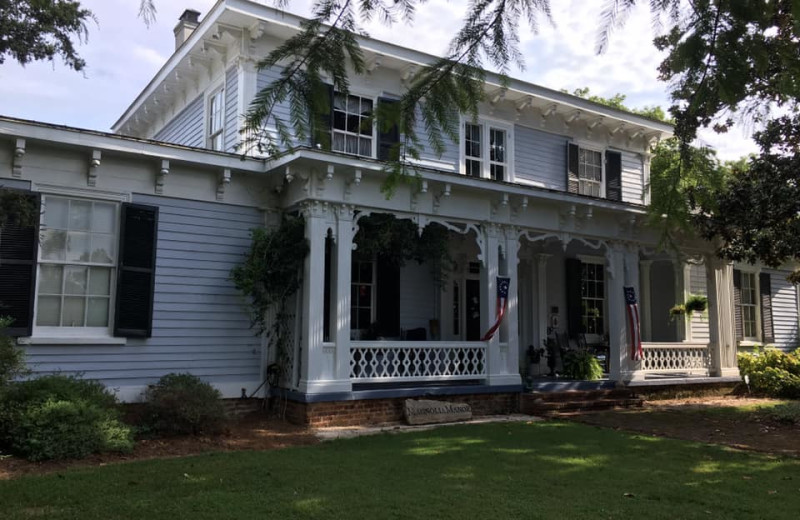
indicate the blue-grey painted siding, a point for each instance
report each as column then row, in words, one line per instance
column 15, row 184
column 281, row 110
column 541, row 158
column 231, row 109
column 200, row 323
column 697, row 285
column 632, row 178
column 186, row 128
column 450, row 155
column 784, row 311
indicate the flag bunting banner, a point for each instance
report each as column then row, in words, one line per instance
column 635, row 327
column 502, row 305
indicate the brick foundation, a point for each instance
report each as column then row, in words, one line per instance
column 378, row 411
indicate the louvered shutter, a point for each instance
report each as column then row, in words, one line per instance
column 573, row 270
column 388, row 138
column 614, row 176
column 19, row 247
column 737, row 304
column 136, row 272
column 387, row 312
column 573, row 180
column 321, row 122
column 765, row 290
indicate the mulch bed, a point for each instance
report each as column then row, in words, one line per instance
column 255, row 431
column 694, row 419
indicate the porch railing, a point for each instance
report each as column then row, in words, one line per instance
column 676, row 357
column 385, row 361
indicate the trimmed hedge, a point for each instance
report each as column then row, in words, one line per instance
column 60, row 417
column 181, row 404
column 772, row 372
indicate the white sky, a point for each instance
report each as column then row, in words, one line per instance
column 123, row 55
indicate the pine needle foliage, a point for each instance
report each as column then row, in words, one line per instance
column 327, row 50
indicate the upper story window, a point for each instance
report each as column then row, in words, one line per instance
column 590, row 172
column 352, row 125
column 216, row 120
column 486, row 150
column 76, row 263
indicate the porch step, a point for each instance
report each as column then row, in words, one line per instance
column 556, row 403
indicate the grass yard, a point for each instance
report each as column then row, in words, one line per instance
column 550, row 470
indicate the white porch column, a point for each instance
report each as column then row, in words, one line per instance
column 680, row 296
column 340, row 321
column 509, row 355
column 719, row 279
column 489, row 272
column 541, row 295
column 623, row 269
column 645, row 300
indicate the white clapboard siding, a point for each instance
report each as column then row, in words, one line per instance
column 186, row 128
column 632, row 178
column 784, row 311
column 231, row 136
column 541, row 158
column 697, row 285
column 200, row 321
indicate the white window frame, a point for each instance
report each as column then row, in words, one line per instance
column 89, row 335
column 374, row 137
column 599, row 261
column 373, row 299
column 592, row 147
column 487, row 125
column 217, row 89
column 759, row 337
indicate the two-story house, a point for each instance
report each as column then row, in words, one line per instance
column 140, row 228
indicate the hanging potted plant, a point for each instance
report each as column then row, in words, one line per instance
column 696, row 303
column 678, row 311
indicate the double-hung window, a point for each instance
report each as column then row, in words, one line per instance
column 749, row 306
column 77, row 259
column 752, row 294
column 486, row 151
column 352, row 125
column 590, row 172
column 592, row 298
column 362, row 290
column 216, row 120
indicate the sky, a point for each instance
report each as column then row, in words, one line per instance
column 123, row 54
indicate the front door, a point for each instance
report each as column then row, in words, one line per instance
column 473, row 310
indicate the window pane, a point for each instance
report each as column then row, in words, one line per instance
column 365, row 146
column 103, row 249
column 364, row 318
column 338, row 142
column 75, row 279
column 353, row 104
column 364, row 296
column 339, row 121
column 365, row 269
column 50, row 279
column 99, row 280
column 352, row 144
column 55, row 213
column 366, row 107
column 78, row 247
column 74, row 310
column 54, row 245
column 49, row 311
column 80, row 215
column 103, row 218
column 339, row 102
column 353, row 123
column 98, row 312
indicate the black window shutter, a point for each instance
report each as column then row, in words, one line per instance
column 137, row 269
column 19, row 246
column 387, row 296
column 322, row 122
column 614, row 176
column 765, row 288
column 388, row 138
column 574, row 297
column 573, row 180
column 737, row 304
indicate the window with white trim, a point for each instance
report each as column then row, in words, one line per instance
column 216, row 120
column 486, row 150
column 749, row 306
column 77, row 259
column 362, row 289
column 590, row 172
column 352, row 128
column 593, row 297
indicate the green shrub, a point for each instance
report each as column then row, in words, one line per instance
column 772, row 372
column 183, row 404
column 12, row 359
column 788, row 413
column 58, row 417
column 582, row 365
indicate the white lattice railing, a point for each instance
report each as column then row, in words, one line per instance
column 676, row 357
column 383, row 361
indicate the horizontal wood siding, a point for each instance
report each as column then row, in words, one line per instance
column 632, row 178
column 784, row 311
column 541, row 158
column 231, row 109
column 450, row 156
column 200, row 322
column 186, row 128
column 697, row 285
column 281, row 110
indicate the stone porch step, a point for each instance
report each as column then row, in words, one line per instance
column 573, row 401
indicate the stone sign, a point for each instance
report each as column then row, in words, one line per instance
column 424, row 411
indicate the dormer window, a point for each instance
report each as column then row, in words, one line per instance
column 216, row 120
column 352, row 125
column 486, row 150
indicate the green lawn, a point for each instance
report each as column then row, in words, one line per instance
column 547, row 470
